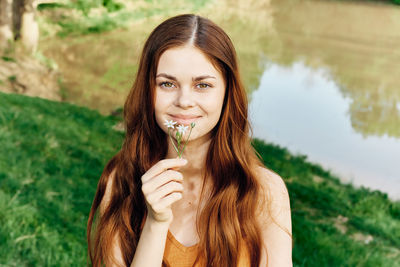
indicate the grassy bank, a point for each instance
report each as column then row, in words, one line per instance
column 53, row 154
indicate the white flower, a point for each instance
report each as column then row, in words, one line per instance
column 170, row 124
column 182, row 129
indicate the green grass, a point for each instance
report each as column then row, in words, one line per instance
column 52, row 157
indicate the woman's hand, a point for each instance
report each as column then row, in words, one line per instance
column 162, row 186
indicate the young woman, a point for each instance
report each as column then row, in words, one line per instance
column 217, row 205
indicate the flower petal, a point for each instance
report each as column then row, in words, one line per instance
column 169, row 124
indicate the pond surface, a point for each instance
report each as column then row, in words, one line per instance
column 331, row 89
column 303, row 110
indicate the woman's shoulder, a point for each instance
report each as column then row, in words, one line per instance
column 270, row 181
column 274, row 194
column 275, row 218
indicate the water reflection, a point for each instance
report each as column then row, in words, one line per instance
column 362, row 55
column 304, row 110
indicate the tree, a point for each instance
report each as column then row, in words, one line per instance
column 6, row 33
column 29, row 30
column 17, row 21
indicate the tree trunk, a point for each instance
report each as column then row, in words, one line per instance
column 17, row 10
column 5, row 23
column 26, row 27
column 29, row 27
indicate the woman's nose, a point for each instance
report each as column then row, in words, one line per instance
column 184, row 98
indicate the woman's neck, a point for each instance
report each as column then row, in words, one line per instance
column 193, row 177
column 195, row 152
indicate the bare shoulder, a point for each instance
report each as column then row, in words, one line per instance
column 269, row 176
column 273, row 187
column 275, row 219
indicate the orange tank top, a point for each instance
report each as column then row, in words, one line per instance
column 177, row 255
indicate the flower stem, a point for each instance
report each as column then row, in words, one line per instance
column 173, row 143
column 186, row 140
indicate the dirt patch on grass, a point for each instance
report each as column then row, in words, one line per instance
column 27, row 75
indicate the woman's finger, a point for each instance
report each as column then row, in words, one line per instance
column 164, row 191
column 166, row 202
column 156, row 182
column 161, row 166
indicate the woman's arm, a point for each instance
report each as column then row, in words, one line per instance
column 150, row 249
column 161, row 186
column 277, row 226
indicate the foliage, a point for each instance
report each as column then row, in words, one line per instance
column 54, row 153
column 112, row 6
column 86, row 5
column 83, row 5
column 74, row 17
column 80, row 17
column 12, row 78
column 52, row 156
column 9, row 59
column 89, row 26
column 48, row 62
column 43, row 6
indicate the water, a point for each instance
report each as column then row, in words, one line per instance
column 303, row 109
column 329, row 88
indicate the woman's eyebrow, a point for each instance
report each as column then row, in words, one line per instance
column 198, row 78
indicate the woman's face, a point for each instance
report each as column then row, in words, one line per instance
column 188, row 89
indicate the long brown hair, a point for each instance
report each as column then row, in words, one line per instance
column 228, row 216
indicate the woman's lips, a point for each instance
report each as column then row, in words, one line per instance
column 185, row 120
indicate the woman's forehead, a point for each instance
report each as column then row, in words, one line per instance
column 186, row 60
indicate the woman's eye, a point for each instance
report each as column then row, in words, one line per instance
column 166, row 84
column 171, row 85
column 203, row 85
